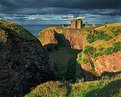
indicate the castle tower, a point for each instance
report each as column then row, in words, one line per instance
column 86, row 23
column 74, row 24
column 79, row 23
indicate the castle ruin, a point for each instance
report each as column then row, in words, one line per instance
column 76, row 23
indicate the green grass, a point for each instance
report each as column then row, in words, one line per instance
column 15, row 28
column 99, row 88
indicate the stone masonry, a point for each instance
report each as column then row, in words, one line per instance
column 76, row 23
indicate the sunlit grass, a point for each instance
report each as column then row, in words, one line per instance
column 81, row 89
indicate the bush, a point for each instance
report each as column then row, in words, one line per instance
column 96, row 36
column 101, row 35
column 85, row 60
column 113, row 34
column 109, row 38
column 117, row 46
column 62, row 26
column 101, row 48
column 79, row 57
column 116, row 33
column 49, row 89
column 32, row 95
column 92, row 65
column 89, row 50
column 90, row 38
column 97, row 54
column 109, row 50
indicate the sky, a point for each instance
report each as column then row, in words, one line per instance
column 53, row 11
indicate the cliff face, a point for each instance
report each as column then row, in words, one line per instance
column 102, row 52
column 23, row 61
column 110, row 63
column 74, row 36
column 99, row 47
column 62, row 47
column 47, row 37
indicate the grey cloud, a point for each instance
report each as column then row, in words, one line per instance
column 56, row 6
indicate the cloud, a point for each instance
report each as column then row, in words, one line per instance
column 56, row 6
column 36, row 10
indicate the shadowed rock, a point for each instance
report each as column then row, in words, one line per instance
column 23, row 61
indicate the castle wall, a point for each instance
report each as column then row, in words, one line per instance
column 79, row 23
column 74, row 24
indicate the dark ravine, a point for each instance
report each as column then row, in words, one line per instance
column 23, row 61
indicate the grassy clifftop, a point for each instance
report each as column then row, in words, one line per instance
column 100, row 43
column 15, row 29
column 99, row 88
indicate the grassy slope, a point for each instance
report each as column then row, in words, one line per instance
column 101, row 88
column 99, row 41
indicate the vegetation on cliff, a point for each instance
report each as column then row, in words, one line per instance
column 97, row 41
column 99, row 88
column 65, row 52
column 101, row 41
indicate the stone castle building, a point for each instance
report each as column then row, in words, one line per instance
column 76, row 23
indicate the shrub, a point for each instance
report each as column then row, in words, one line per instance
column 49, row 89
column 113, row 34
column 109, row 38
column 97, row 88
column 109, row 50
column 92, row 64
column 89, row 50
column 85, row 60
column 79, row 57
column 117, row 46
column 90, row 38
column 32, row 95
column 101, row 35
column 116, row 33
column 97, row 54
column 80, row 54
column 101, row 48
column 62, row 26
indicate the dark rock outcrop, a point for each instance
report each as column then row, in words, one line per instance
column 23, row 61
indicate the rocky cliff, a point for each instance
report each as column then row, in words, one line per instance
column 102, row 51
column 23, row 61
column 100, row 47
column 73, row 36
column 63, row 46
column 110, row 63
